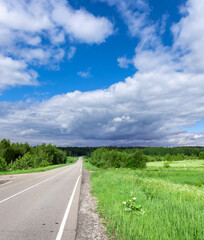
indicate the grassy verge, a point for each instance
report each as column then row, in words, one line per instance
column 70, row 160
column 172, row 211
column 88, row 166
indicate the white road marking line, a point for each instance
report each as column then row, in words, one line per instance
column 30, row 187
column 5, row 183
column 59, row 235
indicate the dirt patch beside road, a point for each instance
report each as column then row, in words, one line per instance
column 5, row 178
column 3, row 181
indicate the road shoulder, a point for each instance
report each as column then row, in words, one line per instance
column 89, row 225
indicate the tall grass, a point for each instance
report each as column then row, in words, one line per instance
column 172, row 211
column 179, row 176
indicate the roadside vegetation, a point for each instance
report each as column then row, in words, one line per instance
column 88, row 166
column 156, row 202
column 70, row 160
column 22, row 158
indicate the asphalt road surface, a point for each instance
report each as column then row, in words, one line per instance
column 41, row 205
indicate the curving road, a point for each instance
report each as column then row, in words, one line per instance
column 41, row 205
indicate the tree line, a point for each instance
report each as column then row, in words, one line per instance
column 149, row 151
column 162, row 151
column 17, row 156
column 78, row 151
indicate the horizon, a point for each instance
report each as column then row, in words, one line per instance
column 110, row 146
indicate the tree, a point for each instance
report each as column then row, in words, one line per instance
column 6, row 151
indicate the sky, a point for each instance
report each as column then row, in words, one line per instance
column 102, row 72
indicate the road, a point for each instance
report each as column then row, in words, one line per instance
column 41, row 205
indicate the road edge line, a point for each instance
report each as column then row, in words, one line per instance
column 61, row 229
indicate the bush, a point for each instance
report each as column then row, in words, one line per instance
column 201, row 155
column 136, row 160
column 103, row 158
column 158, row 158
column 168, row 157
column 3, row 164
column 44, row 163
column 100, row 158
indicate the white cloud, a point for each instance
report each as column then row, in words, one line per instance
column 135, row 14
column 121, row 119
column 81, row 25
column 25, row 16
column 124, row 62
column 71, row 52
column 27, row 132
column 34, row 32
column 163, row 23
column 140, row 5
column 42, row 16
column 148, row 108
column 14, row 72
column 85, row 74
column 189, row 36
column 144, row 110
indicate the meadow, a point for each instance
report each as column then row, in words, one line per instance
column 155, row 203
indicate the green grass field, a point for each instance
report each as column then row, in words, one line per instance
column 179, row 164
column 70, row 160
column 172, row 198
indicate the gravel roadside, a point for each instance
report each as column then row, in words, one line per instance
column 89, row 225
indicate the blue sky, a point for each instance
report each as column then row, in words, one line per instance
column 102, row 72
